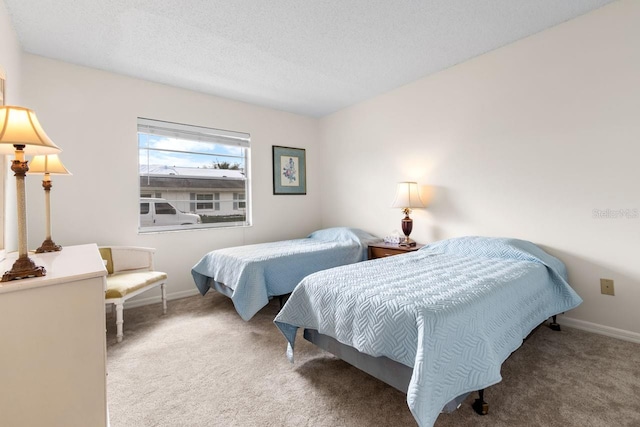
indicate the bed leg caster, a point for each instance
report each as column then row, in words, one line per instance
column 554, row 325
column 480, row 406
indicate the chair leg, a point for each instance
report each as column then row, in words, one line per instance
column 119, row 320
column 164, row 299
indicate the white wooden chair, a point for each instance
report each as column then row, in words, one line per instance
column 131, row 272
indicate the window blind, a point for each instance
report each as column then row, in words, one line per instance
column 196, row 133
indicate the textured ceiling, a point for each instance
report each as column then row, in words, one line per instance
column 311, row 57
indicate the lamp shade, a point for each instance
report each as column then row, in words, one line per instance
column 407, row 196
column 20, row 126
column 49, row 163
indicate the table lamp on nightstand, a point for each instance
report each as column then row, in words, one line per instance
column 407, row 198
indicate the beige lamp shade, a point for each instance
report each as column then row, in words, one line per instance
column 20, row 126
column 407, row 196
column 49, row 163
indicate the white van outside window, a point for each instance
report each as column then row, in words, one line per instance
column 161, row 213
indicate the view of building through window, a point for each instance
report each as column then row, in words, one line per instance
column 192, row 177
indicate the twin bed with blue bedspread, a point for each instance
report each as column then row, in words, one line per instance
column 452, row 311
column 252, row 274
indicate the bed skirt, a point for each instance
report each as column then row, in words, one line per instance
column 386, row 370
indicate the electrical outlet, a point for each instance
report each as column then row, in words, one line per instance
column 606, row 286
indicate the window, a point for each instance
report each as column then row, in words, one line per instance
column 157, row 195
column 239, row 202
column 165, row 209
column 201, row 205
column 192, row 177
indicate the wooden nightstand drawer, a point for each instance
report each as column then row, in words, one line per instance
column 381, row 250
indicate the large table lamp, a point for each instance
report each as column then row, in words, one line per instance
column 48, row 164
column 407, row 198
column 21, row 133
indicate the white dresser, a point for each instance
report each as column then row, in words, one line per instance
column 52, row 342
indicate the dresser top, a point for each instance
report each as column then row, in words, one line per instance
column 70, row 264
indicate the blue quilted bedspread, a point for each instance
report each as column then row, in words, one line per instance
column 453, row 310
column 251, row 274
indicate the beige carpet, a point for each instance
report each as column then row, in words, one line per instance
column 201, row 365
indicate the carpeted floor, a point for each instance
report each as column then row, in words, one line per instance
column 201, row 365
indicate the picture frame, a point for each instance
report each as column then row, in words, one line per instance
column 289, row 170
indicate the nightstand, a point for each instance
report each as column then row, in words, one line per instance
column 381, row 250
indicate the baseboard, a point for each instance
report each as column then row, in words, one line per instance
column 135, row 302
column 600, row 329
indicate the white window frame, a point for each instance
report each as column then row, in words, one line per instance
column 188, row 198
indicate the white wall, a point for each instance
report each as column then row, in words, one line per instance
column 92, row 115
column 10, row 63
column 525, row 142
column 10, row 56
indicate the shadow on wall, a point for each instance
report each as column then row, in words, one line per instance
column 618, row 311
column 586, row 273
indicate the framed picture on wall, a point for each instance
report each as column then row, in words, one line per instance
column 289, row 170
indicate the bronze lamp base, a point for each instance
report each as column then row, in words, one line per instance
column 48, row 246
column 407, row 226
column 23, row 267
